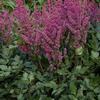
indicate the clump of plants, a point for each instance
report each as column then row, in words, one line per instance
column 49, row 50
column 45, row 32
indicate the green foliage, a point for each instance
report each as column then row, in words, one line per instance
column 24, row 81
column 7, row 4
column 9, row 63
column 98, row 1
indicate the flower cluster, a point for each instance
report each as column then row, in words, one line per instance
column 45, row 29
column 6, row 22
column 77, row 20
column 53, row 31
column 23, row 20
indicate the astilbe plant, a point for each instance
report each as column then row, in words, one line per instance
column 52, row 33
column 22, row 17
column 6, row 23
column 77, row 20
column 44, row 30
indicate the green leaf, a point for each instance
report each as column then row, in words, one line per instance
column 25, row 76
column 51, row 84
column 20, row 97
column 57, row 91
column 9, row 3
column 98, row 1
column 3, row 67
column 12, row 46
column 71, row 97
column 98, row 35
column 31, row 77
column 94, row 54
column 41, row 2
column 5, row 52
column 73, row 88
column 99, row 97
column 97, row 90
column 3, row 62
column 62, row 71
column 80, row 70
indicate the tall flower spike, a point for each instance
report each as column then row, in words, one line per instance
column 23, row 18
column 76, row 14
column 6, row 22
